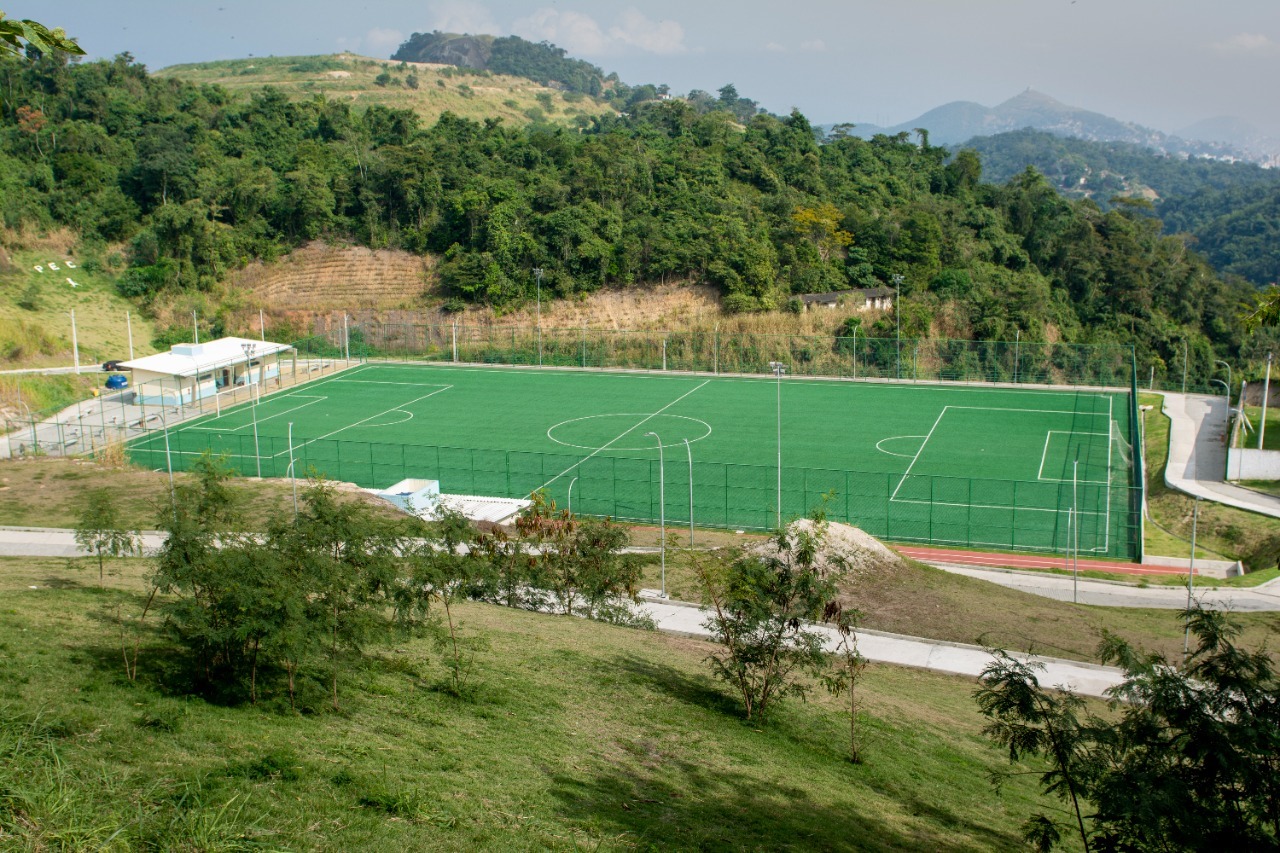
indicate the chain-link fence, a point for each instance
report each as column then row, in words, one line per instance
column 970, row 512
column 711, row 351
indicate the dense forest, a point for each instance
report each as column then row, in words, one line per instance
column 1232, row 210
column 194, row 182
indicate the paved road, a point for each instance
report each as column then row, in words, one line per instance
column 955, row 658
column 1265, row 597
column 1198, row 454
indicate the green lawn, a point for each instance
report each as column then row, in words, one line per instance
column 578, row 736
column 952, row 465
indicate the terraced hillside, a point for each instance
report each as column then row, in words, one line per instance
column 320, row 277
column 424, row 88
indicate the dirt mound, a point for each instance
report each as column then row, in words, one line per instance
column 845, row 549
column 320, row 277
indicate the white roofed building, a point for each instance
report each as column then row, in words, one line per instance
column 189, row 372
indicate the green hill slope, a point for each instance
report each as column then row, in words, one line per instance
column 427, row 89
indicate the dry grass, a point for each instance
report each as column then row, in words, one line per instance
column 350, row 78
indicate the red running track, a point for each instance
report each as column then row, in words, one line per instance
column 1019, row 561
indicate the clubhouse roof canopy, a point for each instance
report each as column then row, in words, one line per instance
column 192, row 359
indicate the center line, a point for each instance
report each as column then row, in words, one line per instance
column 618, row 437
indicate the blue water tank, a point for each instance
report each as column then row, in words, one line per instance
column 117, row 381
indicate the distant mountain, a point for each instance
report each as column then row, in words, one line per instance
column 957, row 122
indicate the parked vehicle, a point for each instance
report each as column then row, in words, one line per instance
column 117, row 381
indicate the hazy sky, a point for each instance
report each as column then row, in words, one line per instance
column 1162, row 63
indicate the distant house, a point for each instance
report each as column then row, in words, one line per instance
column 860, row 299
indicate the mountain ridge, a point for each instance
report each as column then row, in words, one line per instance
column 955, row 123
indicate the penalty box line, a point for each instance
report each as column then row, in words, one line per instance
column 439, row 390
column 1044, row 458
column 620, row 436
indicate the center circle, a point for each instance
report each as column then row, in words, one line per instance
column 595, row 432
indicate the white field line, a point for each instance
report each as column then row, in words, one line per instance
column 1008, row 507
column 1044, row 456
column 314, row 399
column 620, row 436
column 916, row 458
column 394, row 408
column 385, row 382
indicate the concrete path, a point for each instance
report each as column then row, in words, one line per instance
column 1198, row 454
column 1264, row 597
column 956, row 658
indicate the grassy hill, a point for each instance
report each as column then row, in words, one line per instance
column 576, row 734
column 476, row 95
column 35, row 306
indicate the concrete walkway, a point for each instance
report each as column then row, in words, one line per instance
column 1089, row 679
column 1198, row 454
column 1100, row 593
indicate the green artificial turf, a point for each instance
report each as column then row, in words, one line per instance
column 953, row 465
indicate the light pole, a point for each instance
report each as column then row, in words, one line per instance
column 168, row 458
column 249, row 347
column 662, row 510
column 75, row 343
column 1226, row 388
column 1228, row 367
column 293, row 473
column 571, row 482
column 689, row 453
column 537, row 272
column 1184, row 365
column 778, row 369
column 897, row 315
column 1191, row 580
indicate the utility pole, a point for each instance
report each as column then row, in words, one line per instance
column 1191, row 579
column 689, row 453
column 1184, row 365
column 75, row 343
column 128, row 324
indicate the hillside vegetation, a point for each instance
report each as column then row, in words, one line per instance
column 196, row 181
column 1230, row 209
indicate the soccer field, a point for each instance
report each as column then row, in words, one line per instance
column 947, row 464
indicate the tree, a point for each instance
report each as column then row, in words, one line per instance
column 844, row 677
column 98, row 529
column 760, row 605
column 25, row 34
column 1193, row 762
column 821, row 225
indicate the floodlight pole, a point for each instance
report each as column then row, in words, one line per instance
column 897, row 316
column 1075, row 511
column 778, row 369
column 128, row 324
column 1191, row 579
column 293, row 473
column 662, row 510
column 571, row 482
column 168, row 458
column 1266, row 392
column 262, row 326
column 195, row 325
column 75, row 343
column 1017, row 352
column 689, row 453
column 1184, row 365
column 249, row 347
column 537, row 272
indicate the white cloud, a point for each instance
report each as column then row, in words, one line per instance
column 774, row 47
column 636, row 30
column 582, row 35
column 575, row 32
column 380, row 41
column 462, row 16
column 1245, row 43
column 814, row 46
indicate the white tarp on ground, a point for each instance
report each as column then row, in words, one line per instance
column 423, row 499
